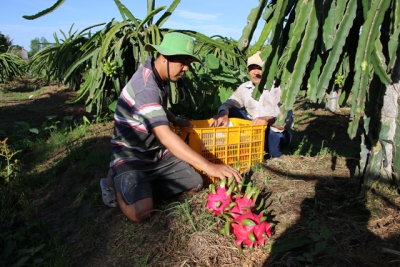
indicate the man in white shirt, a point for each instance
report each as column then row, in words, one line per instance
column 263, row 111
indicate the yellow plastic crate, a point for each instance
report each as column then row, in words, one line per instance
column 241, row 143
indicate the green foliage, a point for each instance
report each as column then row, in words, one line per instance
column 182, row 210
column 120, row 44
column 288, row 244
column 320, row 242
column 249, row 29
column 106, row 60
column 11, row 66
column 53, row 61
column 5, row 43
column 315, row 42
column 11, row 168
column 28, row 244
column 46, row 11
column 37, row 45
column 205, row 88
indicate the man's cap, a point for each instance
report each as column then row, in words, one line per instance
column 255, row 60
column 174, row 44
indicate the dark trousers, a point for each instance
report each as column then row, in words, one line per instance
column 274, row 141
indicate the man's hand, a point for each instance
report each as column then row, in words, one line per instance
column 259, row 121
column 222, row 171
column 220, row 119
column 266, row 120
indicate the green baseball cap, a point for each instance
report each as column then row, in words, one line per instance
column 173, row 44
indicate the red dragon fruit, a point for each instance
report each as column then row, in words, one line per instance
column 220, row 200
column 238, row 209
column 246, row 203
column 251, row 230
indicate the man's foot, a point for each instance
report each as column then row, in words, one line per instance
column 108, row 194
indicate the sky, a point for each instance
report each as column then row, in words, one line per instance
column 210, row 17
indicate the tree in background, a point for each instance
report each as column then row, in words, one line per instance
column 5, row 43
column 37, row 45
column 11, row 63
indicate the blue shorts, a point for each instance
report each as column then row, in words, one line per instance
column 169, row 180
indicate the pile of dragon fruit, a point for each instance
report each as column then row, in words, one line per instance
column 226, row 199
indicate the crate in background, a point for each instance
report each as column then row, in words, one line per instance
column 241, row 143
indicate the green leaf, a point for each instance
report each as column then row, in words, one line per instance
column 50, row 117
column 370, row 31
column 338, row 43
column 150, row 16
column 45, row 12
column 326, row 233
column 125, row 13
column 167, row 13
column 288, row 244
column 224, row 93
column 109, row 36
column 314, row 236
column 319, row 247
column 224, row 78
column 113, row 105
column 34, row 130
column 303, row 56
column 11, row 245
column 21, row 261
column 212, row 62
column 252, row 21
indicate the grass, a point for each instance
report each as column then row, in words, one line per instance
column 18, row 96
column 48, row 159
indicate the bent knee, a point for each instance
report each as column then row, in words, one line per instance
column 139, row 217
column 138, row 211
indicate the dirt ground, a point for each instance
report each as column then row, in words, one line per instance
column 309, row 188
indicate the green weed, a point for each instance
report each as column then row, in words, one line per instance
column 257, row 168
column 12, row 167
column 266, row 180
column 278, row 199
column 182, row 210
column 320, row 245
column 142, row 261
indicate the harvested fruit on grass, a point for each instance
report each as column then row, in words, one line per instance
column 220, row 199
column 251, row 230
column 246, row 202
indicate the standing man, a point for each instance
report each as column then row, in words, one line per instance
column 145, row 153
column 263, row 111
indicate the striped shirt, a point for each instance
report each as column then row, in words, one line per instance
column 141, row 106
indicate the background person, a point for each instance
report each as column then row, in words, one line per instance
column 145, row 153
column 263, row 111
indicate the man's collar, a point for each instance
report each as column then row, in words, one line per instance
column 249, row 85
column 150, row 65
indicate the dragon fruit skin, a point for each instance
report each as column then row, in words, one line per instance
column 246, row 202
column 243, row 206
column 251, row 230
column 219, row 201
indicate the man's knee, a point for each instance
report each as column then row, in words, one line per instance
column 138, row 211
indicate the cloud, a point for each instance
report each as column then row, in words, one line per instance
column 196, row 16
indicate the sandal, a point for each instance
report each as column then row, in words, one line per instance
column 108, row 194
